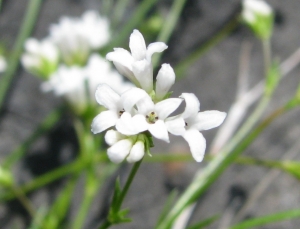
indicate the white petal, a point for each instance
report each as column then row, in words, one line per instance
column 175, row 126
column 164, row 80
column 196, row 142
column 145, row 105
column 209, row 119
column 107, row 97
column 119, row 151
column 131, row 97
column 159, row 130
column 32, row 45
column 192, row 105
column 164, row 108
column 123, row 61
column 128, row 125
column 137, row 45
column 103, row 121
column 127, row 73
column 143, row 72
column 112, row 137
column 137, row 152
column 153, row 48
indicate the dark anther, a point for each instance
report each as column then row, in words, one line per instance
column 147, row 116
column 152, row 113
column 186, row 124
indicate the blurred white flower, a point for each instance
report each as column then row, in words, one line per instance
column 3, row 64
column 78, row 84
column 77, row 37
column 40, row 57
column 137, row 65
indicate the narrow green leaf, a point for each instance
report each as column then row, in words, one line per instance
column 29, row 20
column 61, row 205
column 204, row 223
column 167, row 207
column 268, row 219
column 132, row 23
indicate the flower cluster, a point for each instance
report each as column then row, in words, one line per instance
column 68, row 60
column 141, row 112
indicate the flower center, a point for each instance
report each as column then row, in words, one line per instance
column 152, row 117
column 121, row 112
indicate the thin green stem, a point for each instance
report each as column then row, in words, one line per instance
column 24, row 200
column 215, row 168
column 266, row 45
column 107, row 223
column 168, row 27
column 119, row 12
column 134, row 20
column 128, row 182
column 27, row 26
column 53, row 175
column 93, row 182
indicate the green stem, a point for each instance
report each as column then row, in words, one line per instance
column 266, row 45
column 13, row 62
column 119, row 12
column 107, row 223
column 23, row 200
column 53, row 175
column 93, row 183
column 181, row 68
column 128, row 182
column 168, row 27
column 215, row 168
column 46, row 125
column 134, row 20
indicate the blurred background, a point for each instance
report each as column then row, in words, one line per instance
column 248, row 190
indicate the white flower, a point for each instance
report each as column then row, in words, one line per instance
column 149, row 116
column 123, row 147
column 40, row 57
column 78, row 85
column 196, row 121
column 111, row 100
column 77, row 37
column 137, row 66
column 3, row 64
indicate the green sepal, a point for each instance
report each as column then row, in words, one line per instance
column 148, row 143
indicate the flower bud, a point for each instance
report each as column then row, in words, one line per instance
column 137, row 152
column 164, row 81
column 258, row 15
column 119, row 151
